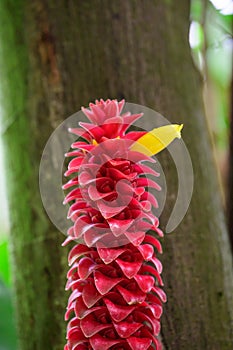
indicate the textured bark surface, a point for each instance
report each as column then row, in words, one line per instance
column 59, row 55
column 39, row 262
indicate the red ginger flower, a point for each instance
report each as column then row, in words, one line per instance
column 115, row 275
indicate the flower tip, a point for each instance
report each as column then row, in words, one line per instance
column 157, row 139
column 178, row 128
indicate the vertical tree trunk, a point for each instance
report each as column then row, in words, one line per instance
column 59, row 55
column 38, row 260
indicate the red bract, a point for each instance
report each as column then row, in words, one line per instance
column 115, row 276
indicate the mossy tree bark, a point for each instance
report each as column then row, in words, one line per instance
column 59, row 55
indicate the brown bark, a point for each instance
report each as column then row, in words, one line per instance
column 67, row 54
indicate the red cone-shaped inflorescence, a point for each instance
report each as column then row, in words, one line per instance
column 116, row 299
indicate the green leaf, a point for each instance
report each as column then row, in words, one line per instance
column 4, row 262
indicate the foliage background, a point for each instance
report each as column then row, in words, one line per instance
column 212, row 45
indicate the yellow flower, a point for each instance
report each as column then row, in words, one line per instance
column 157, row 139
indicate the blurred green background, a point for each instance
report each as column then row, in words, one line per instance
column 212, row 46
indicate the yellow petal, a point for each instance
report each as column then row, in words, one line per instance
column 157, row 139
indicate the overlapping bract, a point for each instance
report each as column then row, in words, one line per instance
column 116, row 299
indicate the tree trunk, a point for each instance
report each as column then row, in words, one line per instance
column 59, row 55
